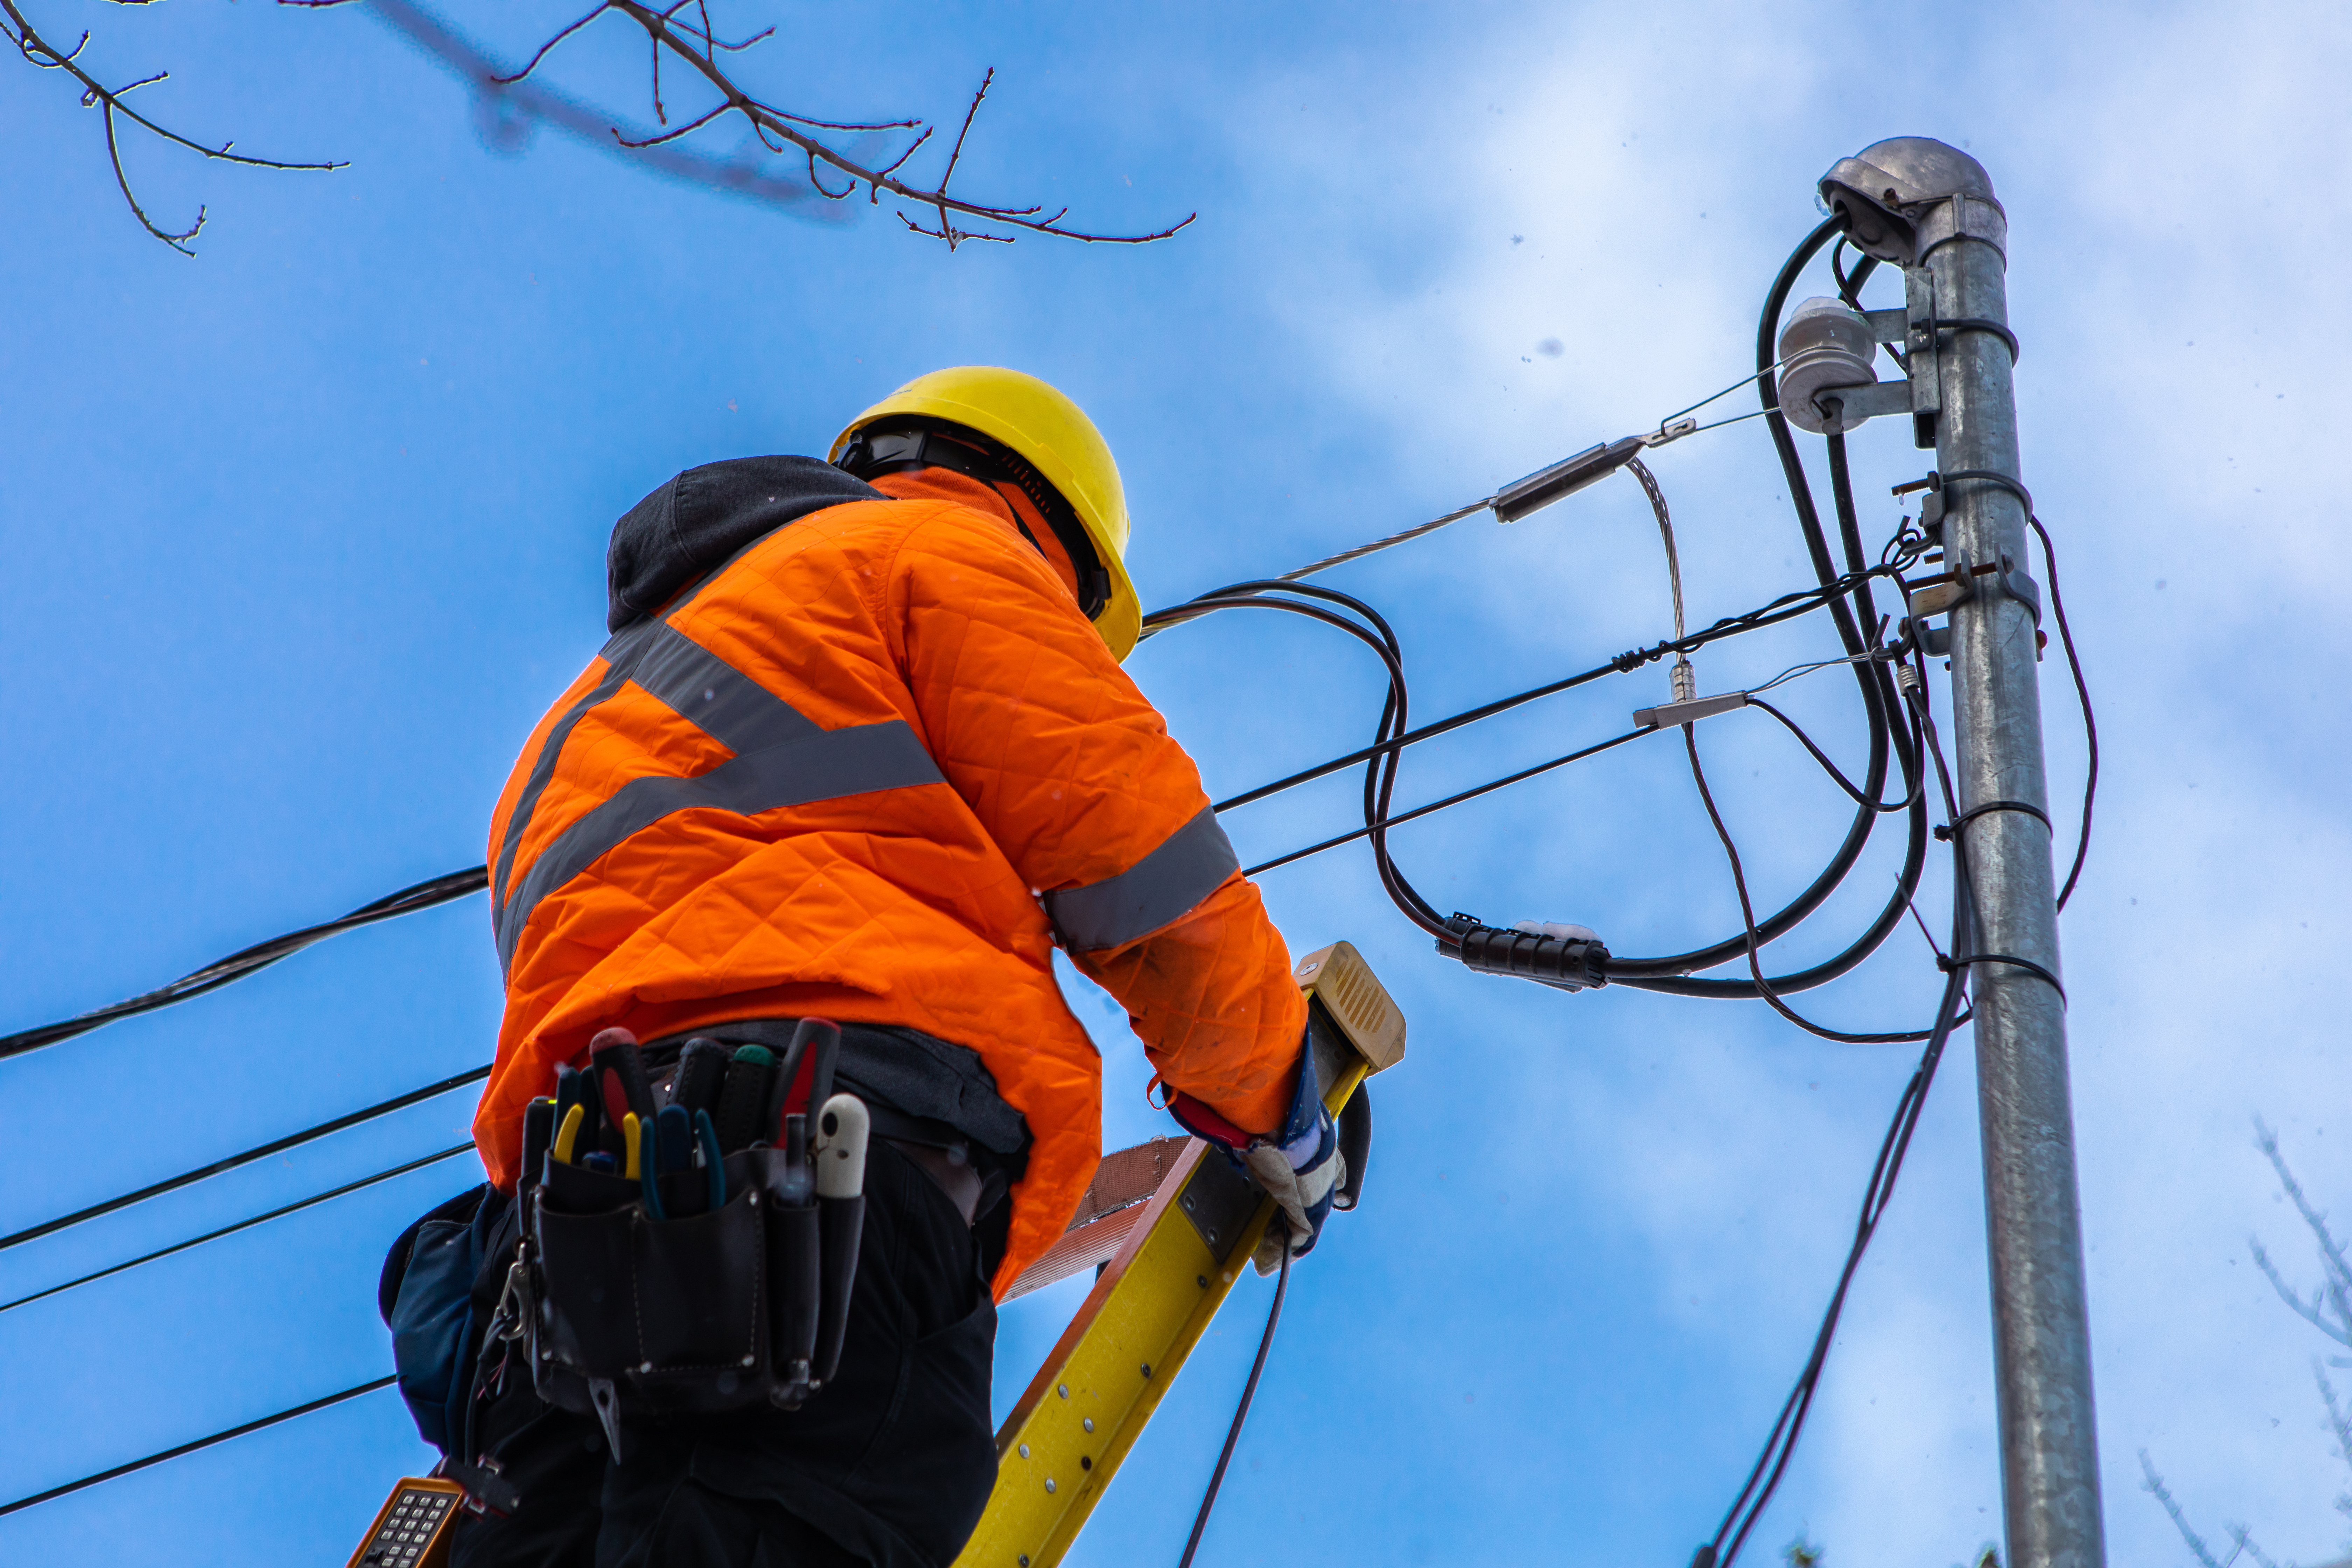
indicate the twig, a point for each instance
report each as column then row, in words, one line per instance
column 2239, row 1533
column 689, row 127
column 2336, row 1421
column 39, row 53
column 2336, row 1290
column 508, row 109
column 2155, row 1483
column 955, row 156
column 548, row 47
column 778, row 128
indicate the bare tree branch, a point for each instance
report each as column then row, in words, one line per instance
column 2239, row 1533
column 38, row 52
column 509, row 103
column 2155, row 1483
column 776, row 125
column 544, row 49
column 2337, row 1424
column 2336, row 1290
column 2333, row 1295
column 688, row 129
column 2309, row 1313
column 507, row 113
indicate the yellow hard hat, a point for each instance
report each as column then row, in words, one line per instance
column 1043, row 427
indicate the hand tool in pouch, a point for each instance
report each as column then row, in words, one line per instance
column 576, row 1090
column 626, row 1091
column 799, row 1249
column 714, row 1166
column 701, row 1070
column 796, row 1254
column 842, row 1128
column 616, row 1051
column 743, row 1098
column 805, row 1081
column 538, row 1137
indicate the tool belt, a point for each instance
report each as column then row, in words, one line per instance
column 666, row 1269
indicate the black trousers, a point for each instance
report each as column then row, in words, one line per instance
column 889, row 1464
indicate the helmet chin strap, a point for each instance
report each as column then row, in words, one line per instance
column 896, row 447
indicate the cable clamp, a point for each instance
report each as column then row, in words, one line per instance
column 1989, row 476
column 1936, row 594
column 1666, row 714
column 2026, row 964
column 2012, row 581
column 1974, row 812
column 1563, row 479
column 1958, row 324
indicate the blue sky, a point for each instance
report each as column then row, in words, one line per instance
column 306, row 533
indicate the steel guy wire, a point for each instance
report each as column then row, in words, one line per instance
column 1665, row 434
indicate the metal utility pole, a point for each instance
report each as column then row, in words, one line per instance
column 1930, row 208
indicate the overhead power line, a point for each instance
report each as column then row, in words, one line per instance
column 456, row 885
column 277, row 1146
column 425, row 894
column 238, row 1431
column 279, row 1213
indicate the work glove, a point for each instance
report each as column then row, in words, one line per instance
column 1298, row 1164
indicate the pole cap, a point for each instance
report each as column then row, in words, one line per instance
column 1885, row 193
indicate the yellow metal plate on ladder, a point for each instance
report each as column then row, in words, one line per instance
column 1173, row 1268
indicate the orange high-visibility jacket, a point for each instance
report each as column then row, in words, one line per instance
column 873, row 768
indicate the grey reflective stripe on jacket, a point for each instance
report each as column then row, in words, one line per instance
column 1159, row 890
column 782, row 758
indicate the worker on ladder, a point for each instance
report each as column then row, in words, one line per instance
column 860, row 748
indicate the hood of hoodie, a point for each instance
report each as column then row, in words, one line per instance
column 699, row 521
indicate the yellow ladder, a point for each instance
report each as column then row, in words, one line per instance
column 1170, row 1260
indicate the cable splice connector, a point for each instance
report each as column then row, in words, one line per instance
column 1573, row 964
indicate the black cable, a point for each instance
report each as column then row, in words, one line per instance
column 38, row 1498
column 1765, row 989
column 310, row 1202
column 1780, row 1443
column 2082, row 695
column 462, row 884
column 1241, row 1411
column 1865, row 608
column 425, row 894
column 1829, row 767
column 1849, row 289
column 1787, row 608
column 1801, row 494
column 1379, row 774
column 1404, row 817
column 1673, row 974
column 278, row 1146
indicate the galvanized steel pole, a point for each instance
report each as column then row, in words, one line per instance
column 1931, row 206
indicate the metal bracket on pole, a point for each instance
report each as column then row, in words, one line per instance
column 1948, row 589
column 1919, row 347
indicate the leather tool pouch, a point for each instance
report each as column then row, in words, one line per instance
column 688, row 1315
